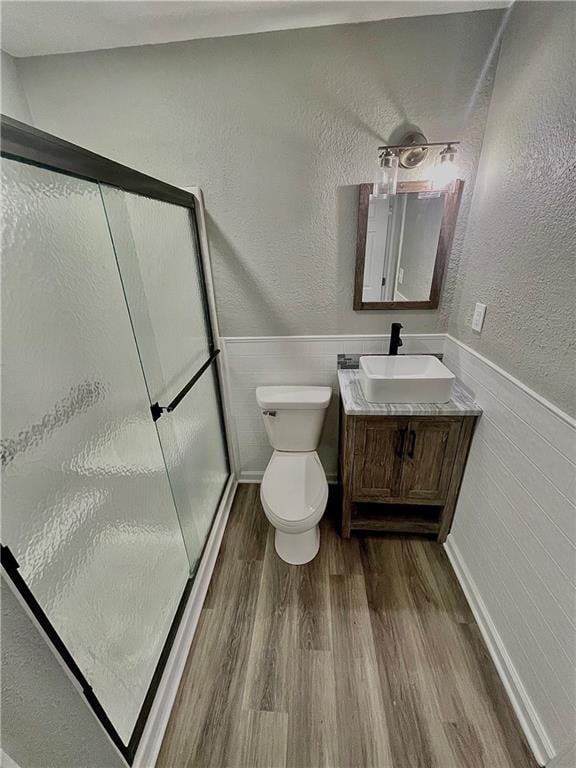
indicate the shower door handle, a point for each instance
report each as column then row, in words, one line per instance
column 157, row 410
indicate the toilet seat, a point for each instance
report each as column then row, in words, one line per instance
column 294, row 490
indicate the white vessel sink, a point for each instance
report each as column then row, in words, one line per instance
column 405, row 379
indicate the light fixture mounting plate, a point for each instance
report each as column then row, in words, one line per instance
column 412, row 158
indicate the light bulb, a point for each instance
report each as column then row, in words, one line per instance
column 446, row 168
column 378, row 188
column 387, row 177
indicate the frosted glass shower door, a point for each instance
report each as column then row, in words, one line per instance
column 87, row 508
column 161, row 271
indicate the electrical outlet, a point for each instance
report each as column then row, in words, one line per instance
column 400, row 275
column 478, row 317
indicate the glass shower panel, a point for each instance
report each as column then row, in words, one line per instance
column 159, row 265
column 196, row 460
column 157, row 259
column 87, row 509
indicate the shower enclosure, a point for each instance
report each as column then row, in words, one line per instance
column 114, row 456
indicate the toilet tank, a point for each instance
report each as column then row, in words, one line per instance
column 293, row 415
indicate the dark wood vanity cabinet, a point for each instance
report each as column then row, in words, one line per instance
column 402, row 474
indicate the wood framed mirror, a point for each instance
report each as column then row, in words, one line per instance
column 403, row 245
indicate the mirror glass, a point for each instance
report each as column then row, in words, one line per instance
column 403, row 241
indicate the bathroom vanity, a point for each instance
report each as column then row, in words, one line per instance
column 401, row 465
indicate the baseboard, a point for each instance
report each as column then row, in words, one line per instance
column 155, row 727
column 530, row 723
column 250, row 477
column 256, row 477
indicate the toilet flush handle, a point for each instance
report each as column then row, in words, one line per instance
column 269, row 413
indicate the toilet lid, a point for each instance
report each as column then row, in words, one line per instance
column 294, row 485
column 294, row 397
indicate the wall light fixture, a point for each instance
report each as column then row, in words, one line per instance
column 411, row 153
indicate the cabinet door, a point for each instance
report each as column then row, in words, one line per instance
column 378, row 448
column 429, row 452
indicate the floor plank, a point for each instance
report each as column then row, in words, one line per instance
column 362, row 731
column 274, row 639
column 367, row 657
column 262, row 739
column 313, row 607
column 313, row 731
column 201, row 730
column 398, row 658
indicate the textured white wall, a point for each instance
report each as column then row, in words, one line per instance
column 520, row 247
column 276, row 128
column 13, row 98
column 514, row 533
column 45, row 721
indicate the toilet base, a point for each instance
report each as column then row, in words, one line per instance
column 297, row 548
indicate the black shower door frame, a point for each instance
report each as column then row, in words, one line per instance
column 29, row 145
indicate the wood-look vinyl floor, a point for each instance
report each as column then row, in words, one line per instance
column 367, row 657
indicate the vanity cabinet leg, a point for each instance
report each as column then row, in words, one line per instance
column 346, row 454
column 346, row 514
column 464, row 442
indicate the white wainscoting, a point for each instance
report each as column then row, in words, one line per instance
column 254, row 361
column 513, row 545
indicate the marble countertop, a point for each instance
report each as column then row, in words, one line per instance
column 355, row 404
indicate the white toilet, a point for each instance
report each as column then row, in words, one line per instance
column 294, row 490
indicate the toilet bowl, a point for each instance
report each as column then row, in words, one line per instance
column 294, row 493
column 294, row 490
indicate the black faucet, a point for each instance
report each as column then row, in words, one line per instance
column 395, row 340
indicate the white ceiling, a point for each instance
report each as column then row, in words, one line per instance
column 33, row 28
